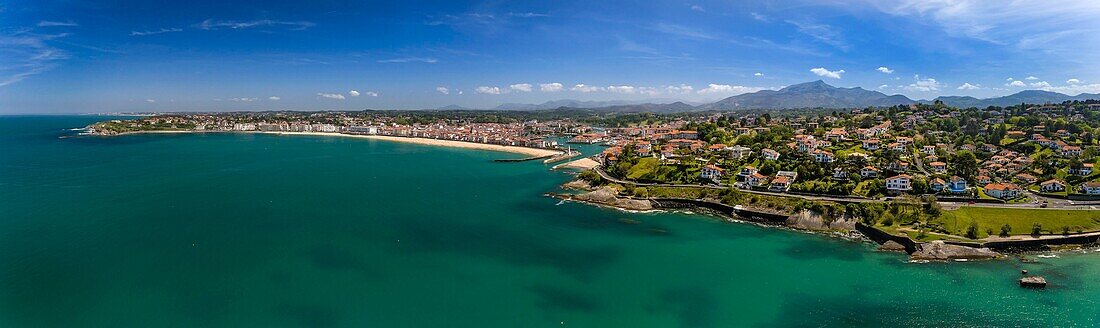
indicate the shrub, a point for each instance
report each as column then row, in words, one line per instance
column 1036, row 229
column 1005, row 230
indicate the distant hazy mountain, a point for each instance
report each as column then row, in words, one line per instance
column 675, row 107
column 808, row 95
column 1026, row 96
column 568, row 103
column 452, row 107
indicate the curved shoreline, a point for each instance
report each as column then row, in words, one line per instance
column 533, row 152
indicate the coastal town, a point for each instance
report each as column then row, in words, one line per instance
column 926, row 171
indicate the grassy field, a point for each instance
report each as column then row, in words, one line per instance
column 646, row 167
column 1021, row 220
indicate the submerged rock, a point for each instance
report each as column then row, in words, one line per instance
column 940, row 251
column 1033, row 281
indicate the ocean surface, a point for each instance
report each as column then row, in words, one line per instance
column 241, row 230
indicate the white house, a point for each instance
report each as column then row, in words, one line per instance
column 1052, row 185
column 899, row 183
column 712, row 173
column 1003, row 190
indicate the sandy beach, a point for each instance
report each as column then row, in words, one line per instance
column 533, row 152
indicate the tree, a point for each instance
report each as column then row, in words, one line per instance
column 1006, row 230
column 1036, row 229
column 965, row 165
column 972, row 230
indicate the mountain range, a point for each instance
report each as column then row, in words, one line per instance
column 816, row 94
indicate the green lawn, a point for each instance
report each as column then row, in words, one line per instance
column 645, row 167
column 1020, row 220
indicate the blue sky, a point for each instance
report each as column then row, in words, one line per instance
column 104, row 56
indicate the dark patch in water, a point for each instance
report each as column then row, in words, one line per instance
column 304, row 315
column 692, row 306
column 511, row 246
column 811, row 249
column 331, row 258
column 857, row 310
column 553, row 298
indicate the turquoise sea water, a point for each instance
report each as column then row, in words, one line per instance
column 239, row 230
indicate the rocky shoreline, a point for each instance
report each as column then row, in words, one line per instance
column 808, row 221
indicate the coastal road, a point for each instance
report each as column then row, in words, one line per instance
column 1061, row 203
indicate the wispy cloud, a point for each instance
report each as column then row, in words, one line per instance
column 683, row 31
column 823, row 33
column 211, row 24
column 584, row 88
column 154, row 32
column 24, row 54
column 924, row 85
column 443, row 90
column 336, row 96
column 428, row 60
column 885, row 70
column 56, row 23
column 726, row 89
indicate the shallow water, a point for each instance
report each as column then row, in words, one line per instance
column 288, row 231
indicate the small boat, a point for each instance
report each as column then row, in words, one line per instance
column 961, row 260
column 1048, row 256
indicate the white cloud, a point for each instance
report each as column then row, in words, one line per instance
column 274, row 98
column 150, row 100
column 1015, row 83
column 163, row 30
column 244, row 99
column 883, row 86
column 443, row 90
column 428, row 60
column 520, row 87
column 1076, row 89
column 211, row 24
column 968, row 86
column 551, row 87
column 758, row 74
column 759, row 16
column 1040, row 85
column 1073, row 81
column 821, row 71
column 679, row 90
column 649, row 91
column 488, row 90
column 1031, row 78
column 371, row 94
column 353, row 93
column 885, row 70
column 727, row 89
column 585, row 88
column 924, row 85
column 697, row 8
column 625, row 89
column 55, row 23
column 336, row 96
column 1009, row 79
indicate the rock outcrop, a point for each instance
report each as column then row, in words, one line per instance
column 940, row 251
column 808, row 220
column 577, row 184
column 891, row 246
column 609, row 196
